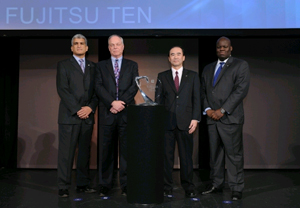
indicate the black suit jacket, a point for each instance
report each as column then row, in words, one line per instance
column 76, row 89
column 105, row 87
column 229, row 91
column 182, row 106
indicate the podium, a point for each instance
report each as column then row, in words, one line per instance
column 145, row 160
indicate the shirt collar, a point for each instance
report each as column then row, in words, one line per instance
column 223, row 61
column 114, row 59
column 179, row 71
column 77, row 58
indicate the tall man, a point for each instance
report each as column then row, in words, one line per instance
column 225, row 84
column 116, row 88
column 78, row 103
column 178, row 89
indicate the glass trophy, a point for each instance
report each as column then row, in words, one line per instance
column 148, row 101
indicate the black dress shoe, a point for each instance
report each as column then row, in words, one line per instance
column 212, row 190
column 63, row 193
column 168, row 193
column 124, row 191
column 103, row 191
column 190, row 194
column 85, row 189
column 236, row 195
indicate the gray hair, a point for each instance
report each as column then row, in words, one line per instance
column 79, row 36
column 116, row 36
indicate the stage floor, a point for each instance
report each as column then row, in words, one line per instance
column 33, row 188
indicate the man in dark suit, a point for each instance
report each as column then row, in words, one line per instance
column 178, row 89
column 75, row 87
column 116, row 88
column 225, row 84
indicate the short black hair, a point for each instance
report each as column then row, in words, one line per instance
column 224, row 37
column 176, row 47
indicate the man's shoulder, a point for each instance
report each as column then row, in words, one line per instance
column 102, row 62
column 237, row 60
column 66, row 60
column 90, row 62
column 128, row 61
column 209, row 66
column 164, row 72
column 190, row 71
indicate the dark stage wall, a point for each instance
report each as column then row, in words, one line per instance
column 272, row 107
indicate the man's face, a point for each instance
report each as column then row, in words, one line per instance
column 115, row 46
column 224, row 49
column 79, row 47
column 176, row 57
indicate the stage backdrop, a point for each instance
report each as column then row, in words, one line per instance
column 38, row 99
column 272, row 107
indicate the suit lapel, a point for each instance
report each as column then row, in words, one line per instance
column 184, row 78
column 76, row 65
column 212, row 73
column 223, row 71
column 87, row 68
column 124, row 67
column 171, row 80
column 110, row 68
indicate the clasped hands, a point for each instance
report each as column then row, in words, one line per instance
column 215, row 114
column 84, row 112
column 117, row 106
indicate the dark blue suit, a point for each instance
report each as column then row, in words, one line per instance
column 112, row 125
column 76, row 89
column 182, row 107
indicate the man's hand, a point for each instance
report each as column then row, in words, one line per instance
column 210, row 113
column 112, row 110
column 217, row 115
column 84, row 112
column 117, row 106
column 193, row 126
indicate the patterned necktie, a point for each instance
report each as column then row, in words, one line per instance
column 176, row 81
column 117, row 75
column 81, row 64
column 218, row 72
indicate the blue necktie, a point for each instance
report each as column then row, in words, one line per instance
column 217, row 73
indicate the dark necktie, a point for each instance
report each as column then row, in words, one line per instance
column 218, row 72
column 176, row 81
column 81, row 64
column 117, row 75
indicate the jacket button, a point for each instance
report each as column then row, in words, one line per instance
column 177, row 96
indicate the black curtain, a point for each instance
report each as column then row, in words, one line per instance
column 9, row 86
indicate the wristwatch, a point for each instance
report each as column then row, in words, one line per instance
column 223, row 110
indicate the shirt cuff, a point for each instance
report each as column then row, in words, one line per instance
column 206, row 109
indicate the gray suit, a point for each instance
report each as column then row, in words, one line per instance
column 225, row 135
column 76, row 89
